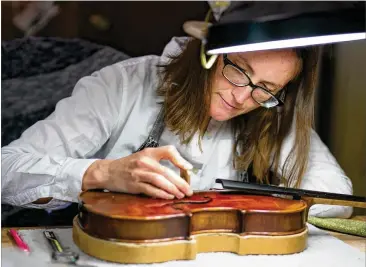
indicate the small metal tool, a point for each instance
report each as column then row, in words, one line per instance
column 59, row 254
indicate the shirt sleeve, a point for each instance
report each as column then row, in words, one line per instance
column 50, row 158
column 324, row 174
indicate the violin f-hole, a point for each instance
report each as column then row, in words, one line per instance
column 178, row 205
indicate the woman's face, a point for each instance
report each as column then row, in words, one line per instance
column 269, row 69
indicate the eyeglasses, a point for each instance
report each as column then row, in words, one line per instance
column 237, row 76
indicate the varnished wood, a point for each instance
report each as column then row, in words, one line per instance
column 137, row 219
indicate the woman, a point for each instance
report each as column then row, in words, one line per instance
column 251, row 110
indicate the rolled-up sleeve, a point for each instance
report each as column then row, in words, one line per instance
column 51, row 157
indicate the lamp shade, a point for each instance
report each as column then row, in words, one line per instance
column 284, row 31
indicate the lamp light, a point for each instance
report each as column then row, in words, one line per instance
column 310, row 28
column 252, row 26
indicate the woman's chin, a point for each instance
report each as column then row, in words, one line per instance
column 220, row 116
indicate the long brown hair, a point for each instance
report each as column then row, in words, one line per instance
column 259, row 134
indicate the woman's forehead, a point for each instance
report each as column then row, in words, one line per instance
column 276, row 66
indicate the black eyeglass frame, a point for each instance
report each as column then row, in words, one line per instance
column 252, row 85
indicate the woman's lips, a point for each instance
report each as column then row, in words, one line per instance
column 227, row 105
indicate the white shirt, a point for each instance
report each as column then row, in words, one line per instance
column 109, row 115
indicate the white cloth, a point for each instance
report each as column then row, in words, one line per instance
column 109, row 115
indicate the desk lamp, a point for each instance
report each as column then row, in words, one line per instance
column 251, row 26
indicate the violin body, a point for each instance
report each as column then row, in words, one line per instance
column 128, row 228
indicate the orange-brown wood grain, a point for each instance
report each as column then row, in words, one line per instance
column 119, row 205
column 139, row 219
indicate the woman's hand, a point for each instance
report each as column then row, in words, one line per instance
column 140, row 172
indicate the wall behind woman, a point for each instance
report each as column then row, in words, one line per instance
column 348, row 113
column 135, row 28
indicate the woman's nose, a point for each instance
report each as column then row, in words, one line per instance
column 241, row 94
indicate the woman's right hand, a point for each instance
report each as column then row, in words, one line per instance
column 140, row 172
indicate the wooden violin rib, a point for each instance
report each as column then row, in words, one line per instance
column 123, row 252
column 128, row 228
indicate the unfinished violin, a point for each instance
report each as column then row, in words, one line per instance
column 245, row 219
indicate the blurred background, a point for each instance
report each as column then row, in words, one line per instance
column 48, row 46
